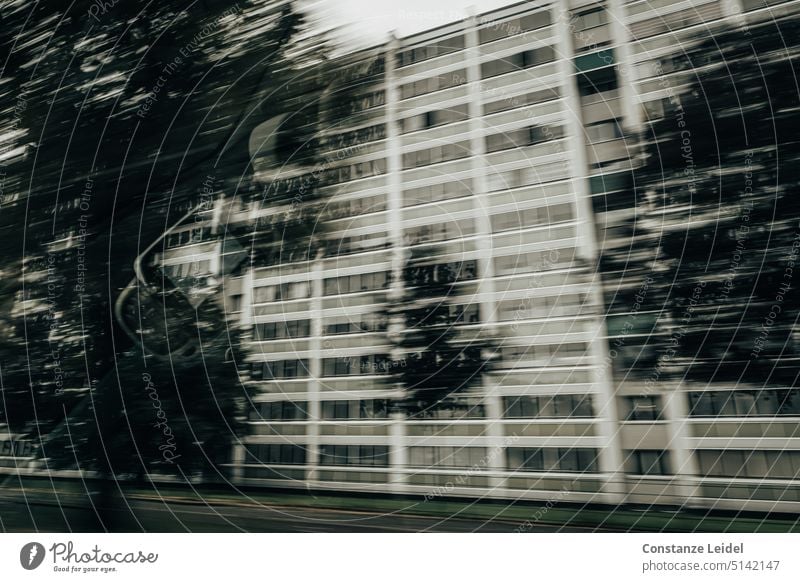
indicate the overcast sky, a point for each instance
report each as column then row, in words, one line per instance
column 370, row 21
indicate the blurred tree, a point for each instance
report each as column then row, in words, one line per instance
column 118, row 119
column 435, row 360
column 718, row 193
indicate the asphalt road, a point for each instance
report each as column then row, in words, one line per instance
column 156, row 516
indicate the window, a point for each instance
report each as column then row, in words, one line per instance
column 614, row 201
column 354, row 409
column 280, row 369
column 648, row 5
column 443, row 153
column 337, row 247
column 283, row 292
column 447, row 457
column 368, row 455
column 356, row 137
column 645, row 462
column 597, row 81
column 353, row 172
column 523, row 137
column 367, row 101
column 440, row 232
column 456, row 407
column 518, row 61
column 533, row 262
column 356, row 323
column 748, row 5
column 559, row 406
column 642, row 407
column 765, row 402
column 506, row 140
column 529, row 175
column 443, row 81
column 356, row 207
column 191, row 236
column 775, row 464
column 19, row 448
column 437, row 49
column 521, row 100
column 673, row 21
column 538, row 307
column 574, row 460
column 274, row 454
column 355, row 283
column 603, row 131
column 282, row 330
column 497, row 30
column 531, row 217
column 434, row 118
column 235, row 303
column 281, row 411
column 442, row 273
column 589, row 19
column 465, row 314
column 437, row 192
column 367, row 365
column 610, row 182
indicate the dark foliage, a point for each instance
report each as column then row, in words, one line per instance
column 719, row 203
column 435, row 360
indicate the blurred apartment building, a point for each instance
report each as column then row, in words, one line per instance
column 500, row 141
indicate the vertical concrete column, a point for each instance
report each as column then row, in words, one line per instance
column 682, row 459
column 237, row 460
column 215, row 263
column 219, row 208
column 245, row 319
column 246, row 314
column 623, row 64
column 732, row 9
column 605, row 405
column 314, row 409
column 480, row 167
column 394, row 168
column 494, row 436
column 398, row 451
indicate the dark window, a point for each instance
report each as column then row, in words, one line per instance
column 523, row 137
column 610, row 182
column 577, row 460
column 373, row 364
column 437, row 49
column 765, row 402
column 369, row 455
column 281, row 411
column 355, row 283
column 596, row 60
column 559, row 406
column 280, row 369
column 643, row 407
column 518, row 61
column 274, row 454
column 354, row 409
column 646, row 462
column 597, row 81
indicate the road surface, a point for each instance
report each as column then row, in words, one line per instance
column 17, row 515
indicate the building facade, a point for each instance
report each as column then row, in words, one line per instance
column 500, row 141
